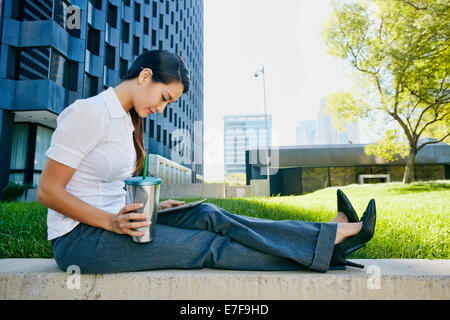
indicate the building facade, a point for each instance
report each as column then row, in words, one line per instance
column 54, row 52
column 240, row 133
column 304, row 169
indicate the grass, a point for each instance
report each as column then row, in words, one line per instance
column 412, row 219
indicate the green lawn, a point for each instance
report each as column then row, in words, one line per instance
column 412, row 219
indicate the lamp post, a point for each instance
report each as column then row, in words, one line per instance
column 256, row 75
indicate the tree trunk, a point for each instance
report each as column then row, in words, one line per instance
column 408, row 176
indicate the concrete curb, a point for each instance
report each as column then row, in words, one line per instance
column 390, row 279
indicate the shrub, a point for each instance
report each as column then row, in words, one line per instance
column 13, row 190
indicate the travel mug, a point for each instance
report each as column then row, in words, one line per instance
column 145, row 191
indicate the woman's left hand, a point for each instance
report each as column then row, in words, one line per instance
column 169, row 204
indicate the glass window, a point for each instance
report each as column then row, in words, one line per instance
column 112, row 15
column 123, row 68
column 152, row 128
column 93, row 43
column 12, row 66
column 59, row 13
column 17, row 177
column 137, row 12
column 19, row 152
column 63, row 71
column 17, row 10
column 19, row 146
column 71, row 75
column 146, row 25
column 90, row 85
column 57, row 67
column 43, row 139
column 110, row 57
column 32, row 10
column 97, row 4
column 153, row 37
column 136, row 45
column 33, row 63
column 154, row 9
column 125, row 31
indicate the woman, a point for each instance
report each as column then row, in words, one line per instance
column 98, row 143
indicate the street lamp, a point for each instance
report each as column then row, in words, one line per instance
column 256, row 75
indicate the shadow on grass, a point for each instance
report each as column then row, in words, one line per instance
column 421, row 187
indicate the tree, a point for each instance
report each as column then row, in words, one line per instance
column 399, row 55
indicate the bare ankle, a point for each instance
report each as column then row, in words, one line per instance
column 346, row 230
column 340, row 218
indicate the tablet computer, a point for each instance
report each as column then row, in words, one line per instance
column 183, row 206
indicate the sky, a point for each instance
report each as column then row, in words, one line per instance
column 284, row 35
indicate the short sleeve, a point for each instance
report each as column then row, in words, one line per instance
column 80, row 127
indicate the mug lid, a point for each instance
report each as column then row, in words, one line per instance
column 138, row 181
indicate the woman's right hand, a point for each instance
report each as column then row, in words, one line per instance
column 121, row 223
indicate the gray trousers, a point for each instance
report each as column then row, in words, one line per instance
column 205, row 236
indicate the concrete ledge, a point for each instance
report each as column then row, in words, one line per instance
column 381, row 279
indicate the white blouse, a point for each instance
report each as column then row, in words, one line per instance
column 95, row 137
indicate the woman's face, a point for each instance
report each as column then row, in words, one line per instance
column 150, row 96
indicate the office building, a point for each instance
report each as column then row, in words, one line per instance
column 329, row 134
column 242, row 132
column 306, row 132
column 54, row 52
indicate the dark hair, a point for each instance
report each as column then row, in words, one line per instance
column 167, row 67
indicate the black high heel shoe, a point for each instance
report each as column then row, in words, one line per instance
column 346, row 247
column 344, row 206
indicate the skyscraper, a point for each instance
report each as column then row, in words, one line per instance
column 329, row 134
column 54, row 52
column 242, row 132
column 306, row 132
